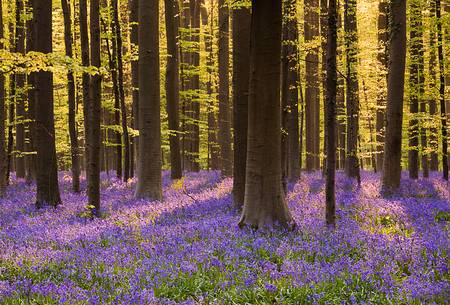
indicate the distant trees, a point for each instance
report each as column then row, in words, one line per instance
column 396, row 80
column 264, row 202
column 149, row 163
column 3, row 159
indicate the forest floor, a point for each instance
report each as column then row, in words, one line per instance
column 189, row 250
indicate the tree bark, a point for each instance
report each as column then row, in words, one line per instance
column 312, row 95
column 172, row 87
column 123, row 109
column 264, row 203
column 396, row 80
column 433, row 139
column 85, row 61
column 3, row 159
column 226, row 158
column 47, row 170
column 442, row 92
column 94, row 117
column 382, row 57
column 330, row 114
column 134, row 10
column 149, row 183
column 351, row 49
column 20, row 96
column 241, row 75
column 68, row 40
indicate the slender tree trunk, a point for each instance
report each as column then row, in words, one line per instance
column 213, row 151
column 442, row 91
column 226, row 158
column 134, row 10
column 149, row 173
column 123, row 109
column 94, row 117
column 3, row 158
column 264, row 203
column 433, row 143
column 312, row 94
column 172, row 86
column 340, row 98
column 47, row 170
column 414, row 90
column 383, row 40
column 330, row 114
column 20, row 96
column 68, row 40
column 85, row 61
column 323, row 46
column 351, row 49
column 30, row 159
column 241, row 75
column 394, row 110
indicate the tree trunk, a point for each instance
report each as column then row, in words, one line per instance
column 123, row 109
column 47, row 169
column 85, row 61
column 68, row 40
column 330, row 114
column 94, row 117
column 414, row 89
column 442, row 92
column 149, row 183
column 264, row 203
column 134, row 10
column 20, row 96
column 312, row 98
column 383, row 40
column 241, row 74
column 394, row 110
column 3, row 158
column 433, row 143
column 226, row 158
column 351, row 50
column 172, row 87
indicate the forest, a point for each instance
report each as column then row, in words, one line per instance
column 224, row 152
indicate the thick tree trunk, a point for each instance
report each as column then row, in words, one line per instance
column 226, row 158
column 414, row 89
column 85, row 61
column 20, row 94
column 351, row 49
column 383, row 40
column 312, row 92
column 241, row 75
column 123, row 109
column 442, row 92
column 3, row 158
column 68, row 40
column 172, row 87
column 94, row 137
column 330, row 114
column 47, row 169
column 394, row 110
column 264, row 203
column 149, row 172
column 134, row 10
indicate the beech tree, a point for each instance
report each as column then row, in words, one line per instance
column 172, row 86
column 241, row 59
column 394, row 110
column 3, row 158
column 47, row 189
column 149, row 183
column 264, row 202
column 74, row 154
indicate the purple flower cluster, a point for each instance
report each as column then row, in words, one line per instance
column 189, row 250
